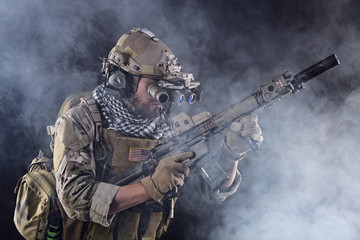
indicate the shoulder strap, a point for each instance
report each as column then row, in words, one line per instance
column 95, row 114
column 91, row 105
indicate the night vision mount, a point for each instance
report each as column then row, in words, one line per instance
column 178, row 87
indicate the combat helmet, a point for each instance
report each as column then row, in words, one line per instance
column 140, row 53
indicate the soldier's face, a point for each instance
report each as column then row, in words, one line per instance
column 146, row 105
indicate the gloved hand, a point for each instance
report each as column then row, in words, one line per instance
column 236, row 142
column 169, row 173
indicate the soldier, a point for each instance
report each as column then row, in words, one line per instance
column 143, row 78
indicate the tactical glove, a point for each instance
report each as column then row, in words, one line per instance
column 169, row 173
column 241, row 135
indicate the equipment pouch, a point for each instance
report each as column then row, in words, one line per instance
column 36, row 213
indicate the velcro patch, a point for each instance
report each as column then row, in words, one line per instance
column 122, row 39
column 131, row 52
column 138, row 154
column 146, row 69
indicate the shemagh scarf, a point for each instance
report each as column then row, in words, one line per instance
column 120, row 119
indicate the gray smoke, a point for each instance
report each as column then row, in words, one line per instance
column 302, row 184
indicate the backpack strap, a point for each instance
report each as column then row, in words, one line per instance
column 93, row 108
column 95, row 114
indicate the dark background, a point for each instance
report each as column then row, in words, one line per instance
column 304, row 181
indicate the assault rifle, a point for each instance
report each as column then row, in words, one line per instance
column 191, row 133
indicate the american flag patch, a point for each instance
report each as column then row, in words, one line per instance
column 138, row 154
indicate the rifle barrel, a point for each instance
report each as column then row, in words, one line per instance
column 316, row 69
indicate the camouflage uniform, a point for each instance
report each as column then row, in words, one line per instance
column 86, row 196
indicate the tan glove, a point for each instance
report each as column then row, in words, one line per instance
column 169, row 173
column 236, row 142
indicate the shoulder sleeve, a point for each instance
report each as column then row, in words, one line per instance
column 81, row 195
column 74, row 132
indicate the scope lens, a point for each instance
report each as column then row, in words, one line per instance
column 180, row 99
column 163, row 98
column 176, row 96
column 158, row 93
column 192, row 98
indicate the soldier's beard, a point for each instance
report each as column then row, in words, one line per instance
column 147, row 111
column 146, row 108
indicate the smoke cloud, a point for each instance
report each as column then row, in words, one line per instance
column 302, row 184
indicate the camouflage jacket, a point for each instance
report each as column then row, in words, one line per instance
column 80, row 191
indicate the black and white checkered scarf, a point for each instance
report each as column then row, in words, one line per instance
column 120, row 119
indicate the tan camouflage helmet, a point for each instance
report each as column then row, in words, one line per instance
column 141, row 53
